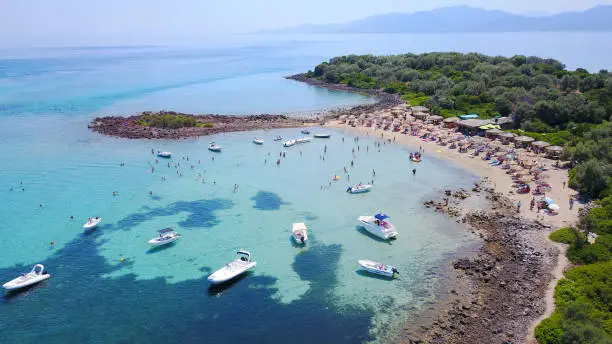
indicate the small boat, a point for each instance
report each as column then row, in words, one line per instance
column 165, row 155
column 336, row 178
column 92, row 223
column 241, row 264
column 378, row 226
column 305, row 132
column 299, row 232
column 166, row 236
column 378, row 268
column 322, row 136
column 303, row 139
column 278, row 138
column 289, row 143
column 37, row 274
column 359, row 188
column 258, row 141
column 213, row 147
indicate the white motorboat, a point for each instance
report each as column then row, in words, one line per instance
column 166, row 155
column 258, row 141
column 213, row 147
column 359, row 188
column 92, row 223
column 378, row 268
column 166, row 236
column 322, row 136
column 289, row 143
column 241, row 264
column 378, row 226
column 37, row 274
column 304, row 139
column 305, row 131
column 299, row 232
column 278, row 138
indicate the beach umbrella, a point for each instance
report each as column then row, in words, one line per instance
column 548, row 200
column 553, row 207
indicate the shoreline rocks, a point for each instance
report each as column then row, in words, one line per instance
column 131, row 127
column 508, row 276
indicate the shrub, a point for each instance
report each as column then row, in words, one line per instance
column 565, row 235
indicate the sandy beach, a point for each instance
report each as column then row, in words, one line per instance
column 554, row 261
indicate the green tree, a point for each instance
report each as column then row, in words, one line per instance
column 590, row 178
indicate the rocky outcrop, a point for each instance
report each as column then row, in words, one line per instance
column 508, row 276
column 132, row 128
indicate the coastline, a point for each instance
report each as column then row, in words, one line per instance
column 452, row 304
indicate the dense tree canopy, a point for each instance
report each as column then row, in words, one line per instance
column 535, row 90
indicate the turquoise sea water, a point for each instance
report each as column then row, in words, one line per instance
column 50, row 158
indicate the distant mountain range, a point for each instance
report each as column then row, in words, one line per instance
column 467, row 19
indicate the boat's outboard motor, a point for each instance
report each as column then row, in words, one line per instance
column 395, row 272
column 349, row 189
column 302, row 239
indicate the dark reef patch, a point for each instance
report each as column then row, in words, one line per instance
column 265, row 200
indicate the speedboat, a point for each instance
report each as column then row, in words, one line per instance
column 322, row 136
column 378, row 268
column 213, row 147
column 299, row 232
column 92, row 223
column 166, row 155
column 258, row 141
column 378, row 226
column 166, row 236
column 289, row 143
column 37, row 274
column 303, row 139
column 278, row 138
column 305, row 131
column 359, row 188
column 241, row 264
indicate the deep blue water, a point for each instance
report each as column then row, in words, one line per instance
column 108, row 287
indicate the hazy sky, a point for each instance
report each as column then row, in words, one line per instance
column 39, row 21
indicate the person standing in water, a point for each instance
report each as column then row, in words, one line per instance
column 414, row 171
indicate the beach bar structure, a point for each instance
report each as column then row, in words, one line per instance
column 523, row 141
column 506, row 138
column 492, row 133
column 451, row 122
column 420, row 115
column 538, row 146
column 435, row 119
column 553, row 152
column 472, row 126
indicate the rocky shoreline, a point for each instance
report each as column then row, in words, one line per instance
column 500, row 290
column 131, row 127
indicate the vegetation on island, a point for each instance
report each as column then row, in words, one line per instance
column 547, row 102
column 169, row 121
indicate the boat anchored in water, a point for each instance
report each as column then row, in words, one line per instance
column 278, row 138
column 166, row 236
column 289, row 143
column 37, row 274
column 92, row 223
column 258, row 141
column 305, row 131
column 166, row 155
column 304, row 139
column 241, row 264
column 377, row 225
column 213, row 147
column 378, row 268
column 322, row 136
column 299, row 232
column 359, row 188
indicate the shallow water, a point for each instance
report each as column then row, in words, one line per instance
column 50, row 158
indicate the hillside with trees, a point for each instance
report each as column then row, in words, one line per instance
column 541, row 94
